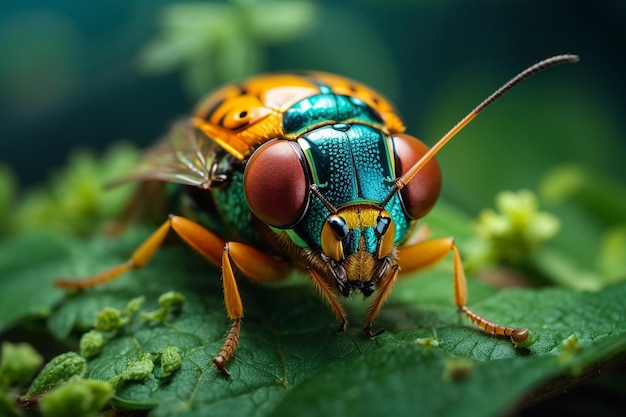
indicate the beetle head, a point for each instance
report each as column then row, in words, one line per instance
column 356, row 238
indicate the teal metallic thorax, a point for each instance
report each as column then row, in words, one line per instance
column 347, row 155
column 349, row 158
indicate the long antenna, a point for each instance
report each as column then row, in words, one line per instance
column 402, row 181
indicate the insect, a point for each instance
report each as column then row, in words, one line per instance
column 312, row 171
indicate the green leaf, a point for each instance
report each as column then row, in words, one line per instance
column 26, row 265
column 429, row 361
column 274, row 22
column 224, row 41
column 76, row 200
column 412, row 380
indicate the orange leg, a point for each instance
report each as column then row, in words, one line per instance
column 252, row 262
column 327, row 294
column 424, row 254
column 385, row 286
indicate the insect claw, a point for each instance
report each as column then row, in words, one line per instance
column 342, row 328
column 519, row 336
column 368, row 334
column 220, row 364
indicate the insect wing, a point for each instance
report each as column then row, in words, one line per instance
column 183, row 156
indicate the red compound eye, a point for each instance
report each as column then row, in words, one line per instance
column 421, row 193
column 276, row 184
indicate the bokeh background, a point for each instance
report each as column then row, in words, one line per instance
column 88, row 74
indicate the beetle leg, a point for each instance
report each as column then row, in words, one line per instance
column 427, row 253
column 203, row 241
column 138, row 259
column 327, row 294
column 252, row 262
column 255, row 264
column 386, row 284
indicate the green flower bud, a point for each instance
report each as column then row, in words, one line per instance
column 138, row 370
column 516, row 229
column 571, row 348
column 171, row 299
column 18, row 363
column 108, row 320
column 8, row 407
column 59, row 370
column 168, row 301
column 427, row 342
column 91, row 343
column 78, row 397
column 170, row 360
column 134, row 305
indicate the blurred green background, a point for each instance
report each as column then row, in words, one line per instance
column 88, row 74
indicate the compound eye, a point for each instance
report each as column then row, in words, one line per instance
column 276, row 184
column 421, row 193
column 339, row 227
column 334, row 231
column 385, row 230
column 382, row 224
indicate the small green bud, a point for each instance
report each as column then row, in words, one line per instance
column 8, row 406
column 138, row 370
column 78, row 397
column 517, row 228
column 156, row 315
column 18, row 363
column 168, row 301
column 91, row 343
column 59, row 370
column 170, row 360
column 134, row 305
column 427, row 342
column 108, row 320
column 571, row 348
column 171, row 299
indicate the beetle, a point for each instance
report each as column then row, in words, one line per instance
column 312, row 171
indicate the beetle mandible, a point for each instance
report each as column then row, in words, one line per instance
column 310, row 171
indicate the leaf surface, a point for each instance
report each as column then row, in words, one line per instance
column 429, row 361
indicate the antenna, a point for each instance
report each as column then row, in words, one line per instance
column 402, row 181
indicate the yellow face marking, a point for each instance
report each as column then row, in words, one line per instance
column 359, row 216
